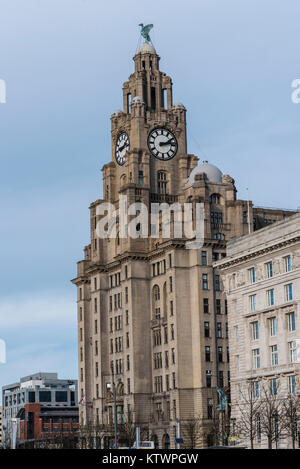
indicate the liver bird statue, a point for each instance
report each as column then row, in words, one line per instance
column 145, row 31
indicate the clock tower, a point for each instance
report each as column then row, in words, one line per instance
column 152, row 315
column 149, row 146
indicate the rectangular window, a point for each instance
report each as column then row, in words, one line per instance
column 167, row 383
column 207, row 353
column 220, row 379
column 204, row 257
column 253, row 302
column 206, row 330
column 255, row 330
column 273, row 326
column 220, row 354
column 171, row 284
column 141, row 177
column 270, row 297
column 204, row 282
column 172, row 332
column 171, row 308
column 174, row 380
column 288, row 263
column 274, row 355
column 166, row 334
column 274, row 386
column 293, row 351
column 256, row 358
column 219, row 330
column 218, row 306
column 292, row 384
column 170, row 261
column 291, row 322
column 208, row 378
column 173, row 356
column 209, row 408
column 205, row 305
column 288, row 292
column 252, row 275
column 166, row 359
column 256, row 389
column 269, row 269
column 45, row 396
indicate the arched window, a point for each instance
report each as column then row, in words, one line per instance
column 156, row 293
column 162, row 182
column 120, row 389
column 123, row 179
column 156, row 302
column 156, row 442
column 166, row 441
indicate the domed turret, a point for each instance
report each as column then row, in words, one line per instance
column 210, row 171
column 146, row 48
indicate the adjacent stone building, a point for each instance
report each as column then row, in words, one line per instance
column 152, row 316
column 0, row 426
column 261, row 276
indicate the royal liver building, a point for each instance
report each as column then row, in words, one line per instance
column 152, row 316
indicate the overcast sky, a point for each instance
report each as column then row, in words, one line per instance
column 64, row 62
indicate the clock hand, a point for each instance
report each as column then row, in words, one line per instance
column 122, row 148
column 162, row 144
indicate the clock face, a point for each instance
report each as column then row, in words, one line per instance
column 162, row 144
column 122, row 146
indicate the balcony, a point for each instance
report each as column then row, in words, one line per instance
column 166, row 198
column 158, row 322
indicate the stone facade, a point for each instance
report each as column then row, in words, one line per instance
column 149, row 309
column 261, row 276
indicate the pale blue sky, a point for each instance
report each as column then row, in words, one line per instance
column 64, row 62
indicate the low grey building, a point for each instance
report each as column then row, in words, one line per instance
column 40, row 388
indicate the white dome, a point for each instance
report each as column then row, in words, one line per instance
column 178, row 106
column 212, row 173
column 138, row 100
column 146, row 48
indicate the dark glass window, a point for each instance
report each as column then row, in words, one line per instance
column 45, row 396
column 61, row 396
column 31, row 396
